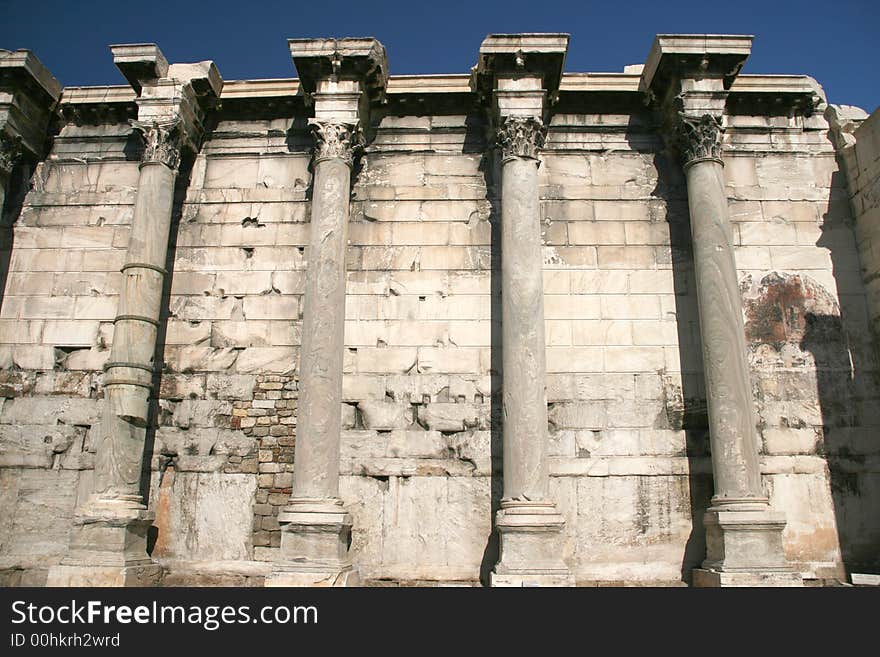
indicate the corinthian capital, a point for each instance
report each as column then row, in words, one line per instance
column 335, row 140
column 699, row 137
column 521, row 136
column 162, row 141
column 10, row 151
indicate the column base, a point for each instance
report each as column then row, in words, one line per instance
column 530, row 544
column 302, row 578
column 108, row 547
column 744, row 546
column 703, row 578
column 149, row 574
column 315, row 536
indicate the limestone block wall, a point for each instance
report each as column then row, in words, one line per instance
column 858, row 141
column 421, row 446
column 814, row 376
column 67, row 246
column 863, row 173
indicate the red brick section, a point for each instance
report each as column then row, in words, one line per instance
column 271, row 419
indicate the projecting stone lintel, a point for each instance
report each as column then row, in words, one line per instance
column 28, row 98
column 517, row 56
column 172, row 100
column 139, row 63
column 354, row 58
column 679, row 56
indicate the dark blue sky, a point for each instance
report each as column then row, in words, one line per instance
column 834, row 41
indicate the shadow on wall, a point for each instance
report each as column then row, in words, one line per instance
column 475, row 142
column 16, row 191
column 180, row 189
column 685, row 404
column 848, row 386
column 817, row 352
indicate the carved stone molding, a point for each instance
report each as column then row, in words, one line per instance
column 333, row 140
column 162, row 141
column 521, row 136
column 10, row 152
column 699, row 137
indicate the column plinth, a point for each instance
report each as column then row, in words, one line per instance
column 314, row 545
column 530, row 545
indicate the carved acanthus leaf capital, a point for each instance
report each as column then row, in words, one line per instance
column 699, row 137
column 162, row 141
column 521, row 136
column 342, row 141
column 10, row 152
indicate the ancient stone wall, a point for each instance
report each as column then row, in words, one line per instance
column 852, row 451
column 420, row 450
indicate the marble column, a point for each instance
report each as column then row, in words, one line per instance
column 519, row 74
column 128, row 381
column 743, row 534
column 522, row 313
column 111, row 527
column 108, row 545
column 687, row 78
column 316, row 526
column 529, row 524
column 342, row 80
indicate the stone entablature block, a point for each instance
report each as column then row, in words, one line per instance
column 28, row 97
column 361, row 59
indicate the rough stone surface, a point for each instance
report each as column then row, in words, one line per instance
column 626, row 423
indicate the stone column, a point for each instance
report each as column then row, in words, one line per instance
column 522, row 313
column 529, row 524
column 109, row 543
column 340, row 77
column 522, row 73
column 743, row 535
column 316, row 525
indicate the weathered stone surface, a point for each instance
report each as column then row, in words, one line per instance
column 40, row 505
column 34, row 446
column 384, row 416
column 204, row 516
column 417, row 371
column 449, row 417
